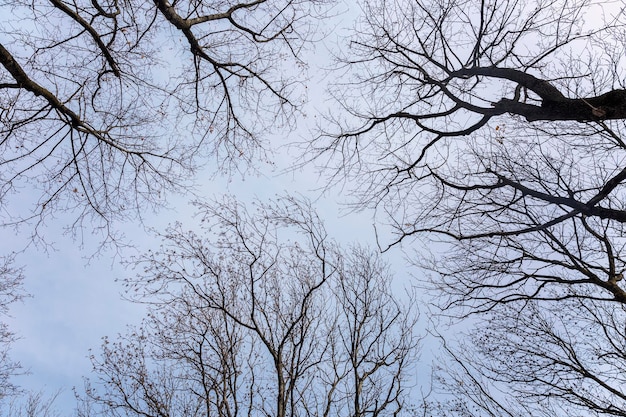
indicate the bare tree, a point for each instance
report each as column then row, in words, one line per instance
column 375, row 337
column 496, row 128
column 546, row 360
column 11, row 290
column 248, row 324
column 106, row 105
column 433, row 131
column 522, row 199
column 32, row 404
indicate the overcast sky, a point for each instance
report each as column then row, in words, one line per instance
column 76, row 299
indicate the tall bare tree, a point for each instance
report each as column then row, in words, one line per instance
column 11, row 290
column 106, row 105
column 375, row 341
column 497, row 129
column 269, row 318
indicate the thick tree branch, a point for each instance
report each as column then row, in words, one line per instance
column 94, row 35
column 588, row 209
column 555, row 106
column 542, row 88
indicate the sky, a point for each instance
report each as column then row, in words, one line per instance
column 75, row 296
column 76, row 299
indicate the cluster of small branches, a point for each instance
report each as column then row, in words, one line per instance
column 11, row 291
column 107, row 105
column 267, row 318
column 496, row 129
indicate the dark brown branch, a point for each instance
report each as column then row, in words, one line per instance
column 588, row 209
column 95, row 35
column 24, row 81
column 609, row 106
column 555, row 106
column 542, row 88
column 67, row 115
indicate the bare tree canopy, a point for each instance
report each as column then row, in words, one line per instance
column 526, row 201
column 11, row 290
column 564, row 359
column 439, row 76
column 105, row 105
column 497, row 129
column 269, row 318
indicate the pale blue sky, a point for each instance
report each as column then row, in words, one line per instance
column 76, row 299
